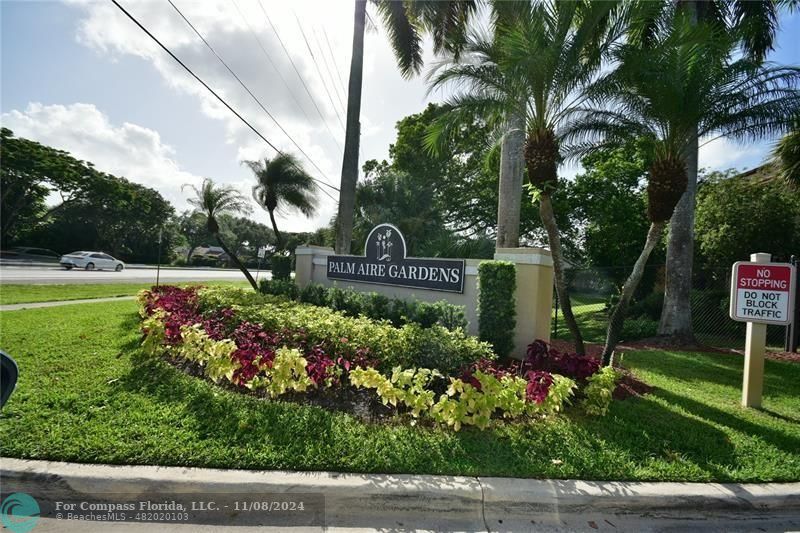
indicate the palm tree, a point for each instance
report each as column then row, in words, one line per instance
column 213, row 201
column 283, row 184
column 405, row 22
column 753, row 24
column 682, row 87
column 533, row 70
column 786, row 155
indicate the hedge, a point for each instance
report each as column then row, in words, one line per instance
column 372, row 304
column 497, row 282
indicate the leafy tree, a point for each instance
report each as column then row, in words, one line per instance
column 607, row 202
column 283, row 185
column 534, row 68
column 30, row 172
column 684, row 85
column 194, row 227
column 214, row 201
column 737, row 214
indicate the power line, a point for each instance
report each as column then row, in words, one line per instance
column 319, row 72
column 276, row 69
column 333, row 57
column 328, row 70
column 246, row 88
column 300, row 77
column 217, row 96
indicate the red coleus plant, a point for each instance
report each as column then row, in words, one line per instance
column 542, row 356
column 255, row 346
column 539, row 383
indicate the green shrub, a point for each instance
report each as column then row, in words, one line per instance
column 348, row 302
column 496, row 305
column 648, row 307
column 280, row 287
column 408, row 346
column 376, row 306
column 314, row 294
column 281, row 266
column 639, row 328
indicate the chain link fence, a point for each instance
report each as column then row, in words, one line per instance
column 594, row 290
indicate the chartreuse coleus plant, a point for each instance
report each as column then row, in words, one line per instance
column 287, row 371
column 463, row 403
column 598, row 391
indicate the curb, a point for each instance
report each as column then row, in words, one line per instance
column 424, row 501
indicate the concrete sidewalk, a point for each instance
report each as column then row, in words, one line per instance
column 35, row 305
column 442, row 503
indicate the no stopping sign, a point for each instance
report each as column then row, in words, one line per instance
column 762, row 292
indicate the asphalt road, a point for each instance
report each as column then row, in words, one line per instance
column 57, row 275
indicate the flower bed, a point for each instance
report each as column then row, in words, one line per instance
column 272, row 346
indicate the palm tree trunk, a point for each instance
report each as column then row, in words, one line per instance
column 512, row 160
column 236, row 262
column 278, row 238
column 553, row 237
column 347, row 187
column 676, row 313
column 617, row 318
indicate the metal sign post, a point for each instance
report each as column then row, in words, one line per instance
column 262, row 251
column 762, row 293
column 158, row 262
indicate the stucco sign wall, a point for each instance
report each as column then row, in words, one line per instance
column 385, row 262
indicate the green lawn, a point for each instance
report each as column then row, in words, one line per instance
column 590, row 314
column 82, row 398
column 17, row 294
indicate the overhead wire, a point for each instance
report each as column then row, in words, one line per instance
column 328, row 70
column 296, row 70
column 319, row 72
column 213, row 92
column 246, row 88
column 280, row 74
column 335, row 65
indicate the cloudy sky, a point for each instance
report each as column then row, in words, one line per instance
column 80, row 76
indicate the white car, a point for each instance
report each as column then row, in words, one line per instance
column 91, row 261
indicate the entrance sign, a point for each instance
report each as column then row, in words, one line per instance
column 762, row 292
column 385, row 262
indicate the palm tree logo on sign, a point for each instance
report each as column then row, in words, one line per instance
column 383, row 245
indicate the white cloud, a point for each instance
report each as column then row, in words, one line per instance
column 127, row 150
column 721, row 154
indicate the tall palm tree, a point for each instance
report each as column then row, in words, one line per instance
column 405, row 23
column 213, row 201
column 283, row 185
column 683, row 86
column 753, row 24
column 533, row 70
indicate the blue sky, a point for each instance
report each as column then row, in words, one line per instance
column 79, row 76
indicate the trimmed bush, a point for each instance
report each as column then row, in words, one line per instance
column 408, row 346
column 314, row 294
column 281, row 266
column 375, row 305
column 497, row 282
column 279, row 287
